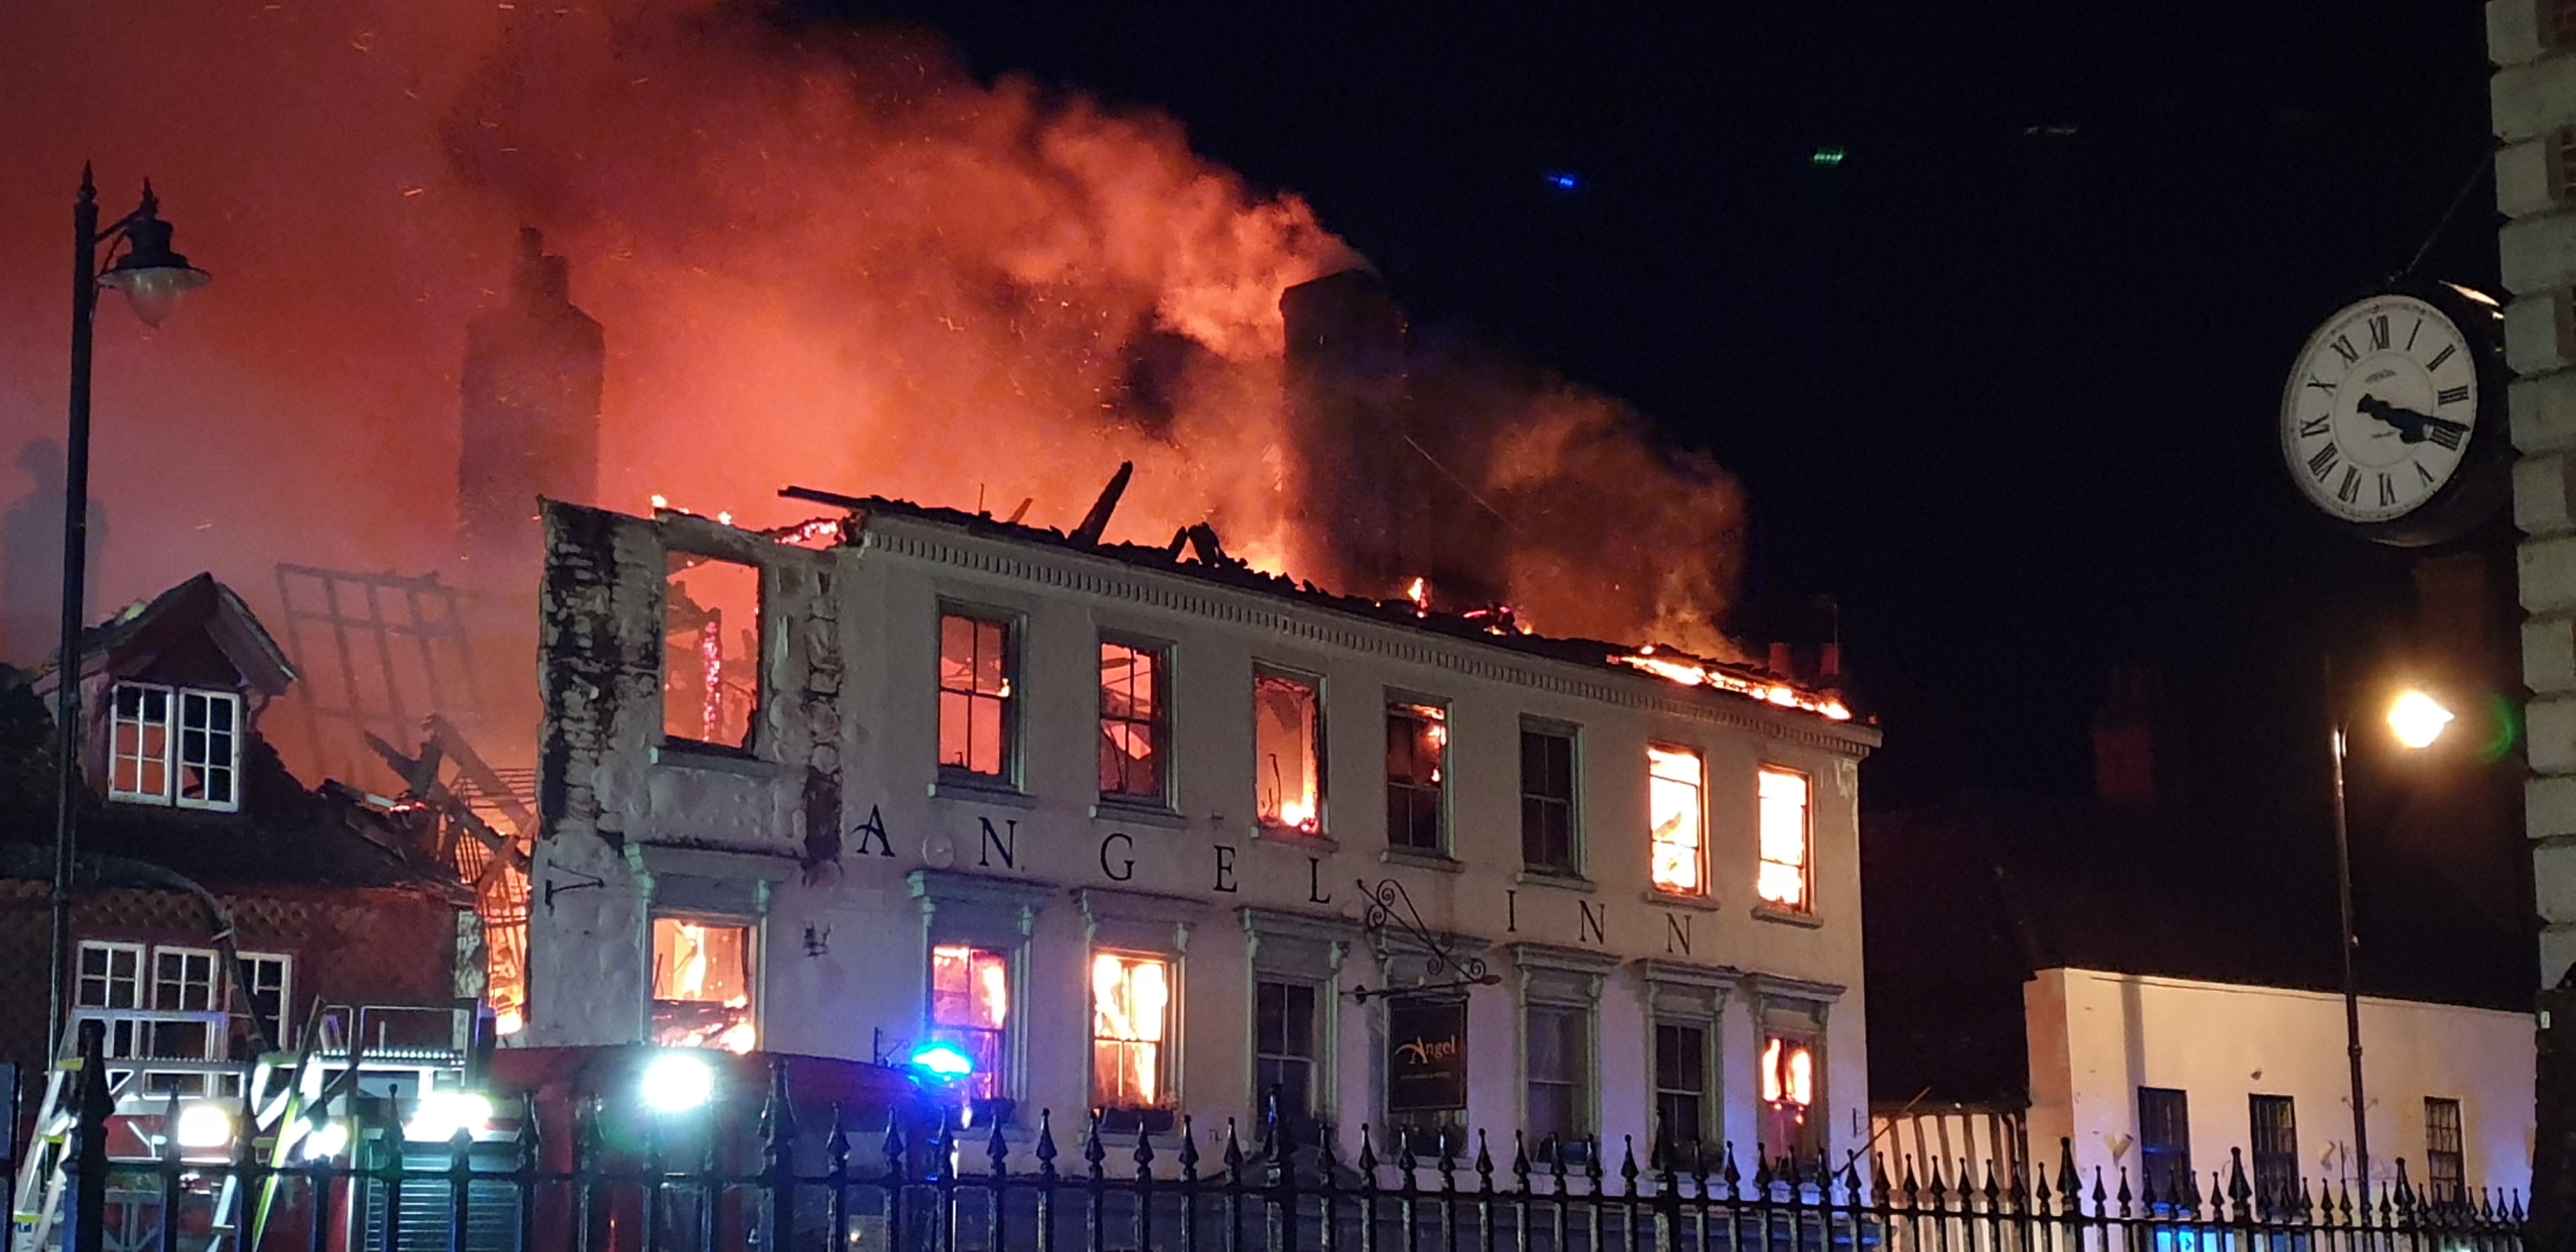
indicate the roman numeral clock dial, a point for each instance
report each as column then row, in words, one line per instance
column 2381, row 413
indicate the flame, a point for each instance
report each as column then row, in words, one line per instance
column 1418, row 591
column 1694, row 673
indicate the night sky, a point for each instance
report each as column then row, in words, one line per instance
column 2002, row 382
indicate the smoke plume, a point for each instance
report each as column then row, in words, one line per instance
column 827, row 256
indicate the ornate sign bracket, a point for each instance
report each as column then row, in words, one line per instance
column 1391, row 914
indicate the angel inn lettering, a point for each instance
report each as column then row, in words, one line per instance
column 1112, row 824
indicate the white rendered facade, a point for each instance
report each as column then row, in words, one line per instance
column 852, row 855
column 2097, row 1039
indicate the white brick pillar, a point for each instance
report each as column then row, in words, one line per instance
column 2534, row 98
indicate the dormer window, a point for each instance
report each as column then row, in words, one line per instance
column 175, row 745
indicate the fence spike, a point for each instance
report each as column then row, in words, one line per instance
column 2239, row 1195
column 1447, row 1163
column 2124, row 1189
column 1729, row 1172
column 1762, row 1174
column 777, row 1119
column 997, row 1152
column 1367, row 1163
column 836, row 1148
column 1144, row 1154
column 1520, row 1161
column 1628, row 1164
column 1592, row 1161
column 1555, row 1149
column 1851, row 1184
column 943, row 1151
column 898, row 1158
column 1092, row 1152
column 1484, row 1166
column 2405, row 1192
column 2041, row 1194
column 1993, row 1193
column 1189, row 1155
column 1325, row 1158
column 1046, row 1143
column 1905, row 1161
column 1939, row 1192
column 1699, row 1167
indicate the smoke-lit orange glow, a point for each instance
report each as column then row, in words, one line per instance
column 827, row 256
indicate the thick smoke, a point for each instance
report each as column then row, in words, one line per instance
column 829, row 257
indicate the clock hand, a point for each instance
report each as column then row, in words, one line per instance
column 2411, row 426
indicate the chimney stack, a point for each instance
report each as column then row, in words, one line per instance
column 530, row 393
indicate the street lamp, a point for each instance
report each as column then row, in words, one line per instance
column 153, row 277
column 2415, row 720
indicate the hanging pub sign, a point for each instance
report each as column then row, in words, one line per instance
column 1426, row 1057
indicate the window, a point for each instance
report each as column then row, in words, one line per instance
column 2559, row 26
column 711, row 650
column 1287, row 742
column 183, row 980
column 2276, row 1153
column 2445, row 1163
column 1783, row 878
column 1284, row 1047
column 702, row 984
column 1673, row 802
column 111, row 976
column 1417, row 749
column 1132, row 722
column 2164, row 1140
column 1558, row 1059
column 199, row 767
column 1131, row 1006
column 970, row 1007
column 1681, row 1084
column 265, row 978
column 1547, row 799
column 976, row 696
column 1791, row 1125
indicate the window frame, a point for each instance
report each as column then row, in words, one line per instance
column 1582, row 1084
column 1005, row 1090
column 1711, row 1103
column 141, row 979
column 1162, row 1115
column 1013, row 710
column 1415, row 707
column 1159, row 722
column 755, row 955
column 1313, row 683
column 284, row 962
column 760, row 639
column 1706, row 887
column 1814, row 1132
column 2176, row 1156
column 1573, row 863
column 1806, row 905
column 174, row 759
column 2441, row 1185
column 1317, row 1007
column 2273, row 1149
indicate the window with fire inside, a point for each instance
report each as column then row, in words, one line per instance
column 1131, row 1030
column 711, row 652
column 703, row 983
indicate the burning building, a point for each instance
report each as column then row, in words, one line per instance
column 1142, row 830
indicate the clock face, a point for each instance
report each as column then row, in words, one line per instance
column 2379, row 411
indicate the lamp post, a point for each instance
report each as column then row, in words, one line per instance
column 153, row 278
column 2415, row 720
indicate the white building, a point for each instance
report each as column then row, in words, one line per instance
column 2155, row 1075
column 1109, row 822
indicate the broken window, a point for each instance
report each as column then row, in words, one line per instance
column 1131, row 1006
column 1287, row 737
column 2445, row 1158
column 711, row 650
column 1417, row 754
column 1782, row 879
column 975, row 695
column 264, row 980
column 702, row 984
column 1791, row 1127
column 1673, row 802
column 1132, row 722
column 197, row 767
column 970, row 1008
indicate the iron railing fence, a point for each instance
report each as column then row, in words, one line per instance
column 730, row 1182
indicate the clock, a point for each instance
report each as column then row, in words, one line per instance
column 2391, row 420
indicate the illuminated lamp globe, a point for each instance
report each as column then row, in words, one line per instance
column 151, row 275
column 2417, row 719
column 679, row 1081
